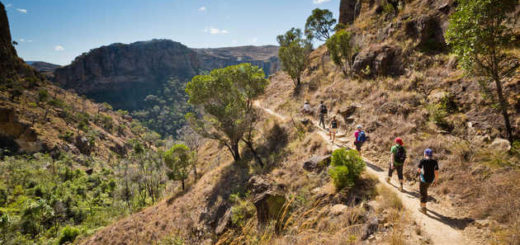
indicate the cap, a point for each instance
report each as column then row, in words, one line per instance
column 428, row 152
column 399, row 141
column 359, row 126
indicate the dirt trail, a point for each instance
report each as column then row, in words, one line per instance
column 436, row 226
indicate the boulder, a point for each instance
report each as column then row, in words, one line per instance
column 258, row 185
column 83, row 145
column 502, row 145
column 317, row 163
column 378, row 60
column 269, row 206
column 338, row 209
column 348, row 111
column 427, row 30
column 370, row 228
column 348, row 11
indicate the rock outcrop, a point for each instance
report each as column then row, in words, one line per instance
column 17, row 136
column 349, row 10
column 378, row 60
column 124, row 74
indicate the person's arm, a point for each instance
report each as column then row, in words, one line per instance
column 419, row 167
column 392, row 160
column 436, row 177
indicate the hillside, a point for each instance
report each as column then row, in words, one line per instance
column 403, row 82
column 68, row 166
column 43, row 67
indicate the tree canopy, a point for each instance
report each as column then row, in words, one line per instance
column 320, row 24
column 226, row 98
column 479, row 35
column 293, row 53
column 341, row 51
column 178, row 160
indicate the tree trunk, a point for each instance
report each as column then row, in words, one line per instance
column 503, row 107
column 182, row 181
column 195, row 170
column 235, row 152
column 258, row 159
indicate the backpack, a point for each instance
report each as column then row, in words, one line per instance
column 400, row 154
column 334, row 124
column 323, row 109
column 362, row 137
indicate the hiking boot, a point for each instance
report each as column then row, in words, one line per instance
column 388, row 180
column 422, row 210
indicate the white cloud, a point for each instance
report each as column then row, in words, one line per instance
column 203, row 9
column 24, row 11
column 59, row 48
column 215, row 31
column 320, row 1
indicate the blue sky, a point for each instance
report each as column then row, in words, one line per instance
column 57, row 31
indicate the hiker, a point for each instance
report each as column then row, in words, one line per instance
column 323, row 113
column 428, row 169
column 359, row 137
column 397, row 159
column 333, row 128
column 306, row 108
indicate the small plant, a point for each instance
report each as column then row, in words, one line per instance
column 43, row 95
column 347, row 166
column 57, row 103
column 241, row 211
column 67, row 136
column 68, row 235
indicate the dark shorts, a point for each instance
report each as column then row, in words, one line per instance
column 399, row 171
column 423, row 189
column 358, row 145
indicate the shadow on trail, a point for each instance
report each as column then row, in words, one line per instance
column 457, row 223
column 374, row 167
column 414, row 194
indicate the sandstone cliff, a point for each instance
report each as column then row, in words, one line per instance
column 123, row 75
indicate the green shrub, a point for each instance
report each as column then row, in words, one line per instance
column 68, row 235
column 67, row 136
column 241, row 211
column 57, row 103
column 347, row 166
column 43, row 95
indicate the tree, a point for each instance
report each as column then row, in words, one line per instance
column 178, row 160
column 320, row 24
column 478, row 34
column 193, row 140
column 346, row 167
column 293, row 53
column 226, row 96
column 341, row 51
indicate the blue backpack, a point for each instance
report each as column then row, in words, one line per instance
column 362, row 137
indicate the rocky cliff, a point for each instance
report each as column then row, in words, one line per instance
column 10, row 64
column 123, row 75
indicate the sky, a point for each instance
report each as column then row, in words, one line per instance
column 57, row 31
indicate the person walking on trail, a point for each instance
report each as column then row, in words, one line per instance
column 359, row 137
column 397, row 160
column 333, row 128
column 428, row 169
column 306, row 108
column 323, row 113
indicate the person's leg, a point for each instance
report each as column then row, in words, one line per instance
column 334, row 134
column 400, row 176
column 322, row 120
column 390, row 171
column 423, row 189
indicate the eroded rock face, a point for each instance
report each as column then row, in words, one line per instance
column 268, row 198
column 378, row 60
column 317, row 163
column 16, row 136
column 348, row 11
column 124, row 74
column 428, row 31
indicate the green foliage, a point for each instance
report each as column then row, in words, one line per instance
column 319, row 25
column 57, row 103
column 438, row 114
column 293, row 53
column 480, row 35
column 241, row 211
column 341, row 51
column 165, row 109
column 43, row 95
column 178, row 160
column 226, row 95
column 68, row 235
column 347, row 166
